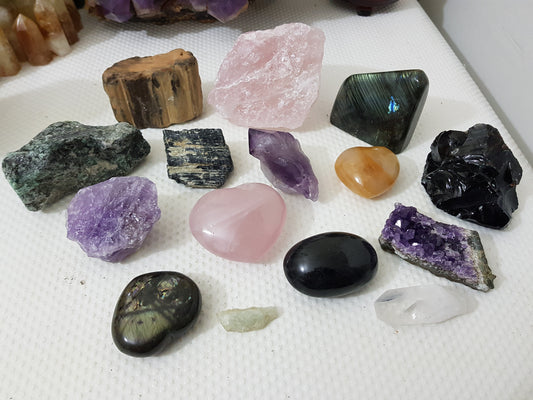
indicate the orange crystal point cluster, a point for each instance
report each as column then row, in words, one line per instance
column 368, row 171
column 35, row 31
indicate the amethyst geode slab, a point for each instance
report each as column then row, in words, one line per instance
column 167, row 10
column 283, row 162
column 473, row 175
column 445, row 250
column 110, row 220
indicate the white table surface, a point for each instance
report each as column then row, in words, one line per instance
column 57, row 304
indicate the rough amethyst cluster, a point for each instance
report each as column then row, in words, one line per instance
column 167, row 10
column 445, row 250
column 473, row 175
column 283, row 162
column 110, row 220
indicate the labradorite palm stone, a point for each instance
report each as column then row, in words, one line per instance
column 68, row 156
column 381, row 108
column 153, row 310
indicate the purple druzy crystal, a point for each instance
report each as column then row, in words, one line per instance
column 111, row 219
column 283, row 162
column 124, row 10
column 115, row 10
column 445, row 250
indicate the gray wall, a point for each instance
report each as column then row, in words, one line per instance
column 494, row 39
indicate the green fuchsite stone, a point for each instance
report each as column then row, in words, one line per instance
column 68, row 156
column 381, row 108
column 153, row 310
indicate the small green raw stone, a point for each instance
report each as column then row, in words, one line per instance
column 68, row 156
column 248, row 319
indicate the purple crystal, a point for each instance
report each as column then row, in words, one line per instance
column 111, row 219
column 283, row 162
column 124, row 10
column 445, row 250
column 115, row 10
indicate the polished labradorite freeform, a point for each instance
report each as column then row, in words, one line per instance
column 381, row 108
column 330, row 264
column 154, row 309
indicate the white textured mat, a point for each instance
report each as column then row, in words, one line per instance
column 57, row 304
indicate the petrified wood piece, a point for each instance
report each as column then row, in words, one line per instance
column 156, row 91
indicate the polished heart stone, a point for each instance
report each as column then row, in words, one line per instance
column 381, row 108
column 153, row 310
column 239, row 223
column 330, row 264
column 368, row 171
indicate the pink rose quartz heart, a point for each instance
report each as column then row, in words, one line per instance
column 240, row 223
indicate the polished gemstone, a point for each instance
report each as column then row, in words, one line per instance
column 110, row 220
column 155, row 91
column 153, row 310
column 9, row 63
column 198, row 158
column 381, row 108
column 270, row 79
column 167, row 11
column 330, row 264
column 418, row 305
column 283, row 162
column 365, row 7
column 240, row 223
column 445, row 250
column 68, row 156
column 32, row 41
column 247, row 319
column 368, row 171
column 473, row 175
column 47, row 18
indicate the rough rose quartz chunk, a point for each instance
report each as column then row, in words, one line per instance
column 240, row 223
column 270, row 79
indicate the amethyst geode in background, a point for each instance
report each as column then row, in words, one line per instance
column 473, row 175
column 445, row 250
column 167, row 10
column 111, row 219
column 283, row 162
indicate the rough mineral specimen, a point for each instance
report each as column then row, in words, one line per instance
column 473, row 175
column 419, row 305
column 248, row 319
column 270, row 79
column 68, row 156
column 35, row 30
column 156, row 91
column 381, row 108
column 368, row 171
column 365, row 7
column 240, row 223
column 167, row 11
column 198, row 158
column 153, row 310
column 283, row 162
column 330, row 264
column 110, row 220
column 445, row 250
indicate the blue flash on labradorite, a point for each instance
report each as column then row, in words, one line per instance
column 381, row 108
column 153, row 310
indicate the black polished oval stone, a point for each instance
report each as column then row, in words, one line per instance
column 154, row 309
column 330, row 264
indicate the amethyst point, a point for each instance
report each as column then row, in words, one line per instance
column 445, row 250
column 283, row 162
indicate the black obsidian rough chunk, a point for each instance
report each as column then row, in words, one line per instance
column 154, row 309
column 330, row 264
column 473, row 175
column 381, row 108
